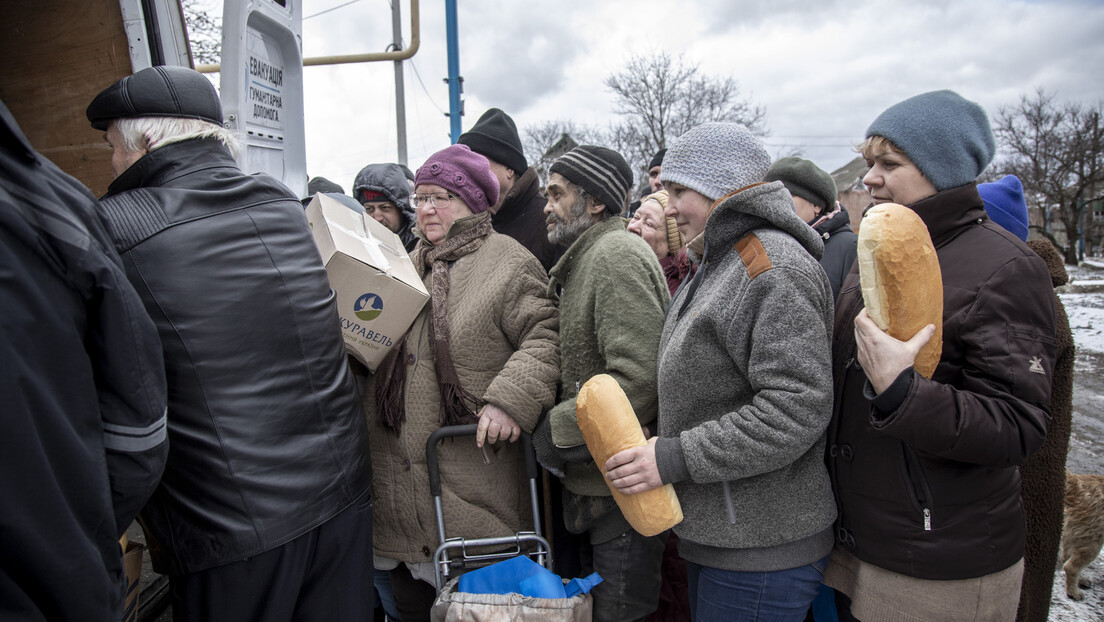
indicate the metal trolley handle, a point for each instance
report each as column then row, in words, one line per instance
column 442, row 561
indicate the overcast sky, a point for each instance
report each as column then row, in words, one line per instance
column 823, row 69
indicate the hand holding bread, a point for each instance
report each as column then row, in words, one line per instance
column 609, row 426
column 902, row 285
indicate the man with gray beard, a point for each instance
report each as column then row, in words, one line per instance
column 612, row 299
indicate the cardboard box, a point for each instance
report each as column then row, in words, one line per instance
column 378, row 290
column 132, row 564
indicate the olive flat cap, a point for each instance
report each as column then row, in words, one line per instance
column 806, row 180
column 164, row 91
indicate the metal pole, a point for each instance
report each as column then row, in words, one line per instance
column 371, row 57
column 400, row 94
column 455, row 82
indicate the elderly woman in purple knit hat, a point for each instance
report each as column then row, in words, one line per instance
column 486, row 350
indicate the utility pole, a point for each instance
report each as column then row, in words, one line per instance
column 400, row 91
column 455, row 82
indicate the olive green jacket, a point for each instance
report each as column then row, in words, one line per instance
column 612, row 299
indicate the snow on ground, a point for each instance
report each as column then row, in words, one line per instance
column 1086, row 316
column 1084, row 302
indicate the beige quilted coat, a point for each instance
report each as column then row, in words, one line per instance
column 505, row 344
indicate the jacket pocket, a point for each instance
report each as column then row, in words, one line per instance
column 919, row 491
column 1030, row 361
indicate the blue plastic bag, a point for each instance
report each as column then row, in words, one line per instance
column 521, row 575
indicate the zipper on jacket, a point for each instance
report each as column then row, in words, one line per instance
column 920, row 491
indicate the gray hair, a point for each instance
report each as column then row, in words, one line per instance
column 138, row 133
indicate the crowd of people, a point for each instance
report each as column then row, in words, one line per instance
column 193, row 375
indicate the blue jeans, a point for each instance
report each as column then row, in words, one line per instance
column 721, row 595
column 382, row 582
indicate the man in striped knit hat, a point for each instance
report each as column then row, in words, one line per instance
column 612, row 299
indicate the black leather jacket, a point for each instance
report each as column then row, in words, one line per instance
column 266, row 437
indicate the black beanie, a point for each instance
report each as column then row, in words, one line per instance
column 657, row 159
column 806, row 180
column 495, row 137
column 601, row 172
column 163, row 91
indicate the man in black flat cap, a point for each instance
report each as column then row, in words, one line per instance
column 519, row 212
column 264, row 509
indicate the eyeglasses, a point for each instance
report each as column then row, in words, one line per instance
column 425, row 201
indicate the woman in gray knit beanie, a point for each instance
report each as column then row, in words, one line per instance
column 709, row 161
column 926, row 472
column 744, row 393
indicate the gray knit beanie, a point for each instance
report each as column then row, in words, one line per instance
column 806, row 180
column 601, row 172
column 946, row 136
column 715, row 159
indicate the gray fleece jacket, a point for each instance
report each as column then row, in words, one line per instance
column 745, row 390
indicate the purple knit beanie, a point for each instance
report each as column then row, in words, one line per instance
column 462, row 172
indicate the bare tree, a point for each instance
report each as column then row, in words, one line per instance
column 1057, row 151
column 544, row 142
column 204, row 33
column 660, row 97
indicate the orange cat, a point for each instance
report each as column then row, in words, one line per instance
column 1083, row 533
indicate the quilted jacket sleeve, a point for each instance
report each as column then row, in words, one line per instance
column 529, row 319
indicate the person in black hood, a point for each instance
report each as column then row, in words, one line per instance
column 265, row 508
column 519, row 212
column 814, row 196
column 385, row 194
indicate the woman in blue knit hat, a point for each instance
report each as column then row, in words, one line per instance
column 925, row 471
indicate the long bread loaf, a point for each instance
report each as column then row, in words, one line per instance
column 902, row 285
column 609, row 425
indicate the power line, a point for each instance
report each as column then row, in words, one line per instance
column 419, row 76
column 331, row 9
column 847, row 145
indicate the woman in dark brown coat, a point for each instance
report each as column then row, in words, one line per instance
column 1043, row 475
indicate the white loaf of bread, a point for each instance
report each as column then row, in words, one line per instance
column 609, row 425
column 902, row 285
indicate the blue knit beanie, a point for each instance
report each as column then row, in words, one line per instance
column 945, row 135
column 1004, row 202
column 716, row 158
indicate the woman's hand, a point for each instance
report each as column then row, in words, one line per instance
column 882, row 357
column 634, row 470
column 495, row 425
